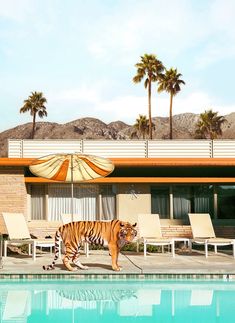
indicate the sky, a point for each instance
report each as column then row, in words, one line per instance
column 82, row 56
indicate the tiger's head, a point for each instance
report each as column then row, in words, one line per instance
column 127, row 232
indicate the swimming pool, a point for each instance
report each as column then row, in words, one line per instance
column 117, row 301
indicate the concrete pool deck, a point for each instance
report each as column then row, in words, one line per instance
column 133, row 263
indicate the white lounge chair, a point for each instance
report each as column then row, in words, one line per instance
column 67, row 218
column 142, row 305
column 204, row 234
column 149, row 230
column 202, row 297
column 18, row 234
column 17, row 307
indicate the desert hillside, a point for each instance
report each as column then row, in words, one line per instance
column 91, row 128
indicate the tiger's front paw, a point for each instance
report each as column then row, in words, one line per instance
column 73, row 269
column 117, row 268
column 79, row 265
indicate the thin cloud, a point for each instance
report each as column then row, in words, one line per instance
column 82, row 94
column 82, row 55
column 127, row 108
column 15, row 9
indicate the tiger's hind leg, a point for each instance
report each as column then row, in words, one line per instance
column 66, row 261
column 70, row 253
column 77, row 262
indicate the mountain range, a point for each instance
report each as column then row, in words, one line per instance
column 90, row 128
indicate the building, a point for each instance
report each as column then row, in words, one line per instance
column 169, row 177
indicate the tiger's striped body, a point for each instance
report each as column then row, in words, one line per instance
column 114, row 233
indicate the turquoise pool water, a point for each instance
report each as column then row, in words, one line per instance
column 117, row 301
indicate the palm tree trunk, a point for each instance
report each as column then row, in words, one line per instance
column 149, row 105
column 171, row 101
column 34, row 123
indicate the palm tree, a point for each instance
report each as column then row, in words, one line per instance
column 209, row 125
column 36, row 105
column 152, row 68
column 142, row 125
column 170, row 82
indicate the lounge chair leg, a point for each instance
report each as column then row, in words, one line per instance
column 5, row 249
column 215, row 248
column 206, row 249
column 190, row 245
column 145, row 249
column 173, row 249
column 162, row 249
column 137, row 246
column 34, row 251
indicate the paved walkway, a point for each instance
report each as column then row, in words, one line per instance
column 99, row 262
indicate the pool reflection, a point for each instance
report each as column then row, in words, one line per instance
column 117, row 301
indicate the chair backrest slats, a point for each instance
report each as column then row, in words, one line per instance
column 149, row 226
column 201, row 225
column 16, row 225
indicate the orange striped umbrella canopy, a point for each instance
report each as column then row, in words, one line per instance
column 71, row 167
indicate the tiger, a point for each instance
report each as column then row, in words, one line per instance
column 95, row 294
column 113, row 233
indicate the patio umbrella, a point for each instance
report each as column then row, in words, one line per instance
column 71, row 168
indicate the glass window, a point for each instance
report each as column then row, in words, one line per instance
column 38, row 202
column 203, row 197
column 108, row 202
column 192, row 199
column 182, row 201
column 226, row 202
column 186, row 199
column 160, row 201
column 84, row 201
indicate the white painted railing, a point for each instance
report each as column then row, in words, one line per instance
column 27, row 148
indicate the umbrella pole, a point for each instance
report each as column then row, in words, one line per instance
column 72, row 211
column 72, row 202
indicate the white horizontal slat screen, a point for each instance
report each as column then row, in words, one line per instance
column 15, row 148
column 224, row 148
column 39, row 148
column 27, row 148
column 117, row 148
column 179, row 148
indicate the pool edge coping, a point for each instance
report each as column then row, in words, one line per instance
column 148, row 276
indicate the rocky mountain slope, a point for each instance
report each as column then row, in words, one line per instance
column 91, row 128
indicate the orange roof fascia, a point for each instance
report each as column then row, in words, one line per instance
column 141, row 162
column 16, row 161
column 172, row 180
column 160, row 162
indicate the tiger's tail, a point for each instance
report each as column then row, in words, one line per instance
column 57, row 250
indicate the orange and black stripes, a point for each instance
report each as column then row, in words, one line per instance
column 115, row 233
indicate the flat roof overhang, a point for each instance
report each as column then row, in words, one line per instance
column 143, row 162
column 150, row 180
column 140, row 162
